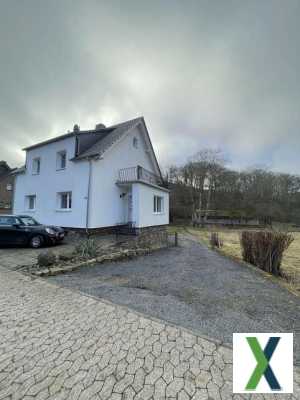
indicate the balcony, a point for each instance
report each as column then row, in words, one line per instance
column 138, row 174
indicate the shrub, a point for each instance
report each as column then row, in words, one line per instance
column 265, row 249
column 87, row 248
column 215, row 241
column 246, row 241
column 46, row 258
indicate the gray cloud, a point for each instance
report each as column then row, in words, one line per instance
column 203, row 73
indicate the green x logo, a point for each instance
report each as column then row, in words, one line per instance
column 263, row 367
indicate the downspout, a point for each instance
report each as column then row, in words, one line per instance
column 88, row 198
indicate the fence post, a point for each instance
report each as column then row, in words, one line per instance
column 176, row 239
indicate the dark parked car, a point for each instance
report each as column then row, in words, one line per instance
column 25, row 230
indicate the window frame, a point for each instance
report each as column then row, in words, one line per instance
column 158, row 204
column 36, row 161
column 59, row 160
column 28, row 199
column 135, row 142
column 69, row 201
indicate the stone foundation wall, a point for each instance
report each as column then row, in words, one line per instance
column 152, row 236
column 148, row 237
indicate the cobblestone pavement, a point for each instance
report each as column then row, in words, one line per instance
column 59, row 344
column 17, row 258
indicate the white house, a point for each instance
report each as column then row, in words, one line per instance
column 94, row 179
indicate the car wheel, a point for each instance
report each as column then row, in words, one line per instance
column 36, row 242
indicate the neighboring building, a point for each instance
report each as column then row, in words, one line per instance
column 94, row 179
column 6, row 187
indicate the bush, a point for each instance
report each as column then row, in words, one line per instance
column 87, row 248
column 246, row 241
column 265, row 249
column 215, row 241
column 46, row 258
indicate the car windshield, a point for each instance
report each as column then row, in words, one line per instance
column 29, row 221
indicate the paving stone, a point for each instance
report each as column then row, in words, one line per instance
column 168, row 374
column 107, row 387
column 202, row 379
column 89, row 392
column 160, row 389
column 153, row 376
column 200, row 394
column 146, row 393
column 123, row 383
column 174, row 387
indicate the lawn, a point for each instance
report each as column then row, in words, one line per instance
column 231, row 247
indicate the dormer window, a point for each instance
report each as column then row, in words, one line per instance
column 36, row 166
column 135, row 142
column 61, row 160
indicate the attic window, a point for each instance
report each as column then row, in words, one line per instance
column 135, row 142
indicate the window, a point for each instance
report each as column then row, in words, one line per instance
column 9, row 187
column 65, row 200
column 36, row 166
column 30, row 202
column 135, row 142
column 158, row 204
column 61, row 160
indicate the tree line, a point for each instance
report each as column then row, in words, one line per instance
column 205, row 182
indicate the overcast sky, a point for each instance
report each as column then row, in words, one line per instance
column 221, row 74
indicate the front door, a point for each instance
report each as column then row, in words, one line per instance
column 130, row 205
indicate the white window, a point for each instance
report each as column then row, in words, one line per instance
column 9, row 187
column 61, row 160
column 30, row 202
column 36, row 166
column 158, row 204
column 65, row 200
column 135, row 142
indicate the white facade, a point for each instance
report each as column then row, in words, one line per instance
column 90, row 187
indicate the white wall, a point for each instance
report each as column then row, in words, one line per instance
column 143, row 199
column 106, row 206
column 49, row 182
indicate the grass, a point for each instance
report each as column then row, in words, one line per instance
column 231, row 248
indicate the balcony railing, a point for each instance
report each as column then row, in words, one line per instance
column 138, row 173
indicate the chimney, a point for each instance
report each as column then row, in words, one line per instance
column 99, row 126
column 76, row 128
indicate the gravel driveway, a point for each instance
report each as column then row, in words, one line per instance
column 196, row 288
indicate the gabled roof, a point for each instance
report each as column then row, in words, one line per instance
column 104, row 142
column 95, row 142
